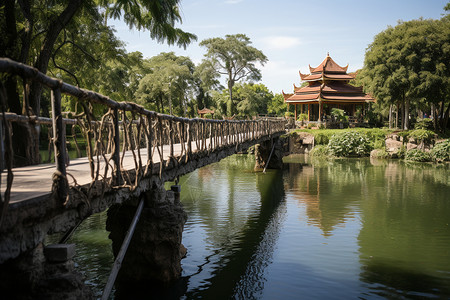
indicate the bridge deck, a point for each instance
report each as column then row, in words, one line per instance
column 35, row 181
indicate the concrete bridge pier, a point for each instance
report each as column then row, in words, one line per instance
column 43, row 273
column 269, row 154
column 153, row 258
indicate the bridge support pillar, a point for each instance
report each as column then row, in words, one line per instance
column 269, row 154
column 153, row 258
column 34, row 275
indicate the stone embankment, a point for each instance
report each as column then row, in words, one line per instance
column 300, row 143
column 395, row 144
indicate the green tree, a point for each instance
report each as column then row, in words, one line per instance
column 167, row 82
column 403, row 67
column 253, row 99
column 235, row 58
column 206, row 80
column 33, row 31
column 277, row 105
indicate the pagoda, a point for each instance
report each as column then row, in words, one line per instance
column 328, row 87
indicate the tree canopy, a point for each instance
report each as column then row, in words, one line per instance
column 166, row 82
column 235, row 58
column 408, row 65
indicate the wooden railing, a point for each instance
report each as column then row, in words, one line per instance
column 120, row 128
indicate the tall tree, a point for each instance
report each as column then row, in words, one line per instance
column 254, row 99
column 167, row 83
column 236, row 58
column 206, row 80
column 33, row 28
column 403, row 67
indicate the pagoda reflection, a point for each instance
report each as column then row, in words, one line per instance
column 327, row 191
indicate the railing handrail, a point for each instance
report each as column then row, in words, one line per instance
column 205, row 134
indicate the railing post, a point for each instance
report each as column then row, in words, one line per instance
column 116, row 153
column 59, row 142
column 210, row 136
column 171, row 138
column 58, row 132
column 189, row 140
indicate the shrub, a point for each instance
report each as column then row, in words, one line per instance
column 321, row 138
column 320, row 151
column 441, row 151
column 421, row 135
column 288, row 114
column 401, row 152
column 321, row 126
column 310, row 125
column 302, row 117
column 349, row 144
column 379, row 144
column 404, row 134
column 339, row 115
column 426, row 124
column 379, row 153
column 417, row 155
column 376, row 137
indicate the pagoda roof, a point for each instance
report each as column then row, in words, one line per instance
column 328, row 70
column 328, row 65
column 328, row 82
column 338, row 92
column 286, row 96
column 205, row 111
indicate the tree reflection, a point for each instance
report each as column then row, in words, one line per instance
column 241, row 225
column 404, row 241
column 328, row 190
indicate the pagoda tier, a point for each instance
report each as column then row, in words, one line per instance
column 329, row 92
column 328, row 84
column 327, row 70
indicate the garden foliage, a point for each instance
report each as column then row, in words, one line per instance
column 441, row 151
column 320, row 151
column 417, row 155
column 349, row 144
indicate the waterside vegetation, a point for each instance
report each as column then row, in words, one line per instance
column 418, row 145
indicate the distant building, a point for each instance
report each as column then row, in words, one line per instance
column 204, row 111
column 327, row 88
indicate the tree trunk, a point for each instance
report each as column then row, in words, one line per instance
column 390, row 116
column 159, row 104
column 170, row 103
column 443, row 116
column 230, row 104
column 445, row 119
column 406, row 115
column 41, row 64
column 433, row 116
column 184, row 102
column 27, row 34
column 47, row 49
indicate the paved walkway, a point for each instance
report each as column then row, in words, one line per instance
column 35, row 181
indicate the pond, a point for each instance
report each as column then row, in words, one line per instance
column 340, row 229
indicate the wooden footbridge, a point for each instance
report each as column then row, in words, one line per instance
column 129, row 150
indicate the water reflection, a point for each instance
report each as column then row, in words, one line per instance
column 404, row 240
column 403, row 210
column 342, row 229
column 238, row 230
column 328, row 189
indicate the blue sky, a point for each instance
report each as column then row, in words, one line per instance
column 292, row 34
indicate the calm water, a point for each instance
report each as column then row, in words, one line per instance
column 343, row 229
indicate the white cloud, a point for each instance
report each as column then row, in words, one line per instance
column 281, row 42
